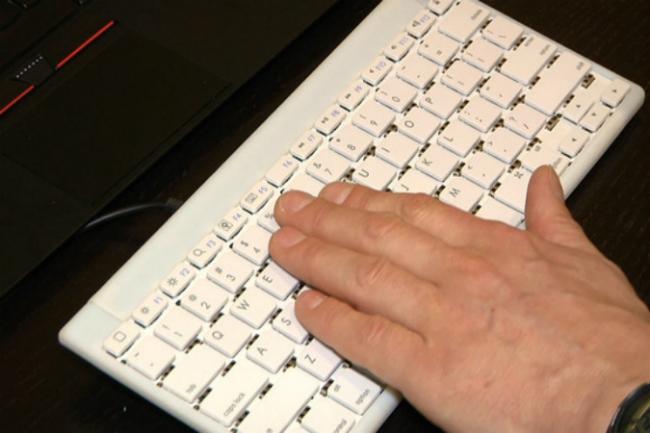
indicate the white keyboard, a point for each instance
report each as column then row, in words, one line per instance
column 448, row 98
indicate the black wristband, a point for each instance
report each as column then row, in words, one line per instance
column 633, row 415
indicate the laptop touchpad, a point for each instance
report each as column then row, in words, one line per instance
column 87, row 136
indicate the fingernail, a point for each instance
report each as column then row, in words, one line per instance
column 288, row 237
column 312, row 299
column 338, row 192
column 294, row 201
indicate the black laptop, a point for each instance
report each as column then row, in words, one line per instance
column 92, row 92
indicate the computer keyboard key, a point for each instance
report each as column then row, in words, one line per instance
column 525, row 62
column 502, row 32
column 458, row 137
column 461, row 194
column 420, row 24
column 480, row 114
column 419, row 125
column 578, row 107
column 438, row 48
column 351, row 142
column 178, row 279
column 257, row 197
column 437, row 162
column 25, row 4
column 398, row 47
column 557, row 82
column 281, row 404
column 395, row 94
column 377, row 71
column 463, row 20
column 327, row 166
column 149, row 310
column 374, row 173
column 9, row 13
column 150, row 357
column 205, row 251
column 192, row 374
column 276, row 281
column 270, row 350
column 305, row 183
column 204, row 299
column 230, row 271
column 318, row 360
column 414, row 181
column 483, row 170
column 330, row 120
column 282, row 170
column 178, row 328
column 232, row 393
column 417, row 71
column 231, row 223
column 539, row 155
column 595, row 117
column 501, row 90
column 439, row 6
column 525, row 121
column 327, row 416
column 573, row 142
column 353, row 95
column 397, row 149
column 504, row 145
column 482, row 54
column 306, row 145
column 462, row 77
column 615, row 92
column 513, row 189
column 228, row 335
column 122, row 339
column 288, row 325
column 253, row 244
column 495, row 211
column 441, row 101
column 353, row 390
column 373, row 118
column 266, row 217
column 253, row 307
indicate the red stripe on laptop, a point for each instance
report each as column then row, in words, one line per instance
column 17, row 99
column 87, row 42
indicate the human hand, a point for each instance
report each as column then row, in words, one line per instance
column 482, row 327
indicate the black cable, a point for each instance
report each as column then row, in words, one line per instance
column 171, row 204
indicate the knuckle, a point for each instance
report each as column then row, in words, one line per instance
column 481, row 273
column 319, row 214
column 375, row 332
column 380, row 225
column 372, row 272
column 358, row 198
column 414, row 208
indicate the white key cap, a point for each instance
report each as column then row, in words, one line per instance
column 178, row 279
column 192, row 374
column 437, row 162
column 461, row 193
column 306, row 145
column 502, row 32
column 253, row 307
column 232, row 393
column 377, row 71
column 230, row 271
column 525, row 121
column 289, row 395
column 353, row 390
column 501, row 90
column 438, row 48
column 399, row 47
column 482, row 54
column 557, row 82
column 480, row 114
column 397, row 149
column 327, row 416
column 419, row 125
column 458, row 137
column 282, row 170
column 462, row 77
column 204, row 299
column 504, row 145
column 257, row 197
column 373, row 118
column 288, row 325
column 353, row 95
column 527, row 60
column 417, row 70
column 615, row 92
column 276, row 281
column 178, row 328
column 151, row 357
column 318, row 360
column 253, row 244
column 351, row 142
column 414, row 181
column 230, row 224
column 513, row 189
column 296, row 428
column 121, row 339
column 539, row 155
column 578, row 107
column 595, row 118
column 395, row 94
column 327, row 166
column 205, row 251
column 573, row 142
column 150, row 309
column 374, row 173
column 330, row 120
column 483, row 169
column 495, row 211
column 266, row 217
column 439, row 6
column 228, row 335
column 270, row 351
column 463, row 20
column 441, row 101
column 420, row 24
column 304, row 183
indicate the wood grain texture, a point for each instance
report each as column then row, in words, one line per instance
column 48, row 389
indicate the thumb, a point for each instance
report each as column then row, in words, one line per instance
column 546, row 214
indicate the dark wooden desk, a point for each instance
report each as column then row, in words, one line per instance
column 44, row 388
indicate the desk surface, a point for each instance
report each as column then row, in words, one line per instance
column 45, row 388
